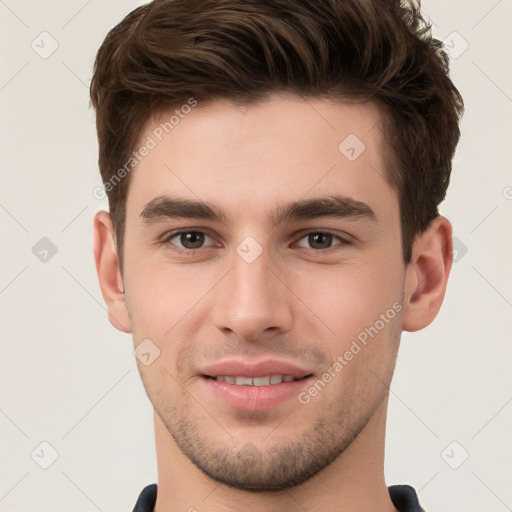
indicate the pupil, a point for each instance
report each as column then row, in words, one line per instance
column 320, row 240
column 192, row 239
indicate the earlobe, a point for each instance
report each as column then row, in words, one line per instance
column 109, row 275
column 427, row 275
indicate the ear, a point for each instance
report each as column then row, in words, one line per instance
column 109, row 274
column 427, row 275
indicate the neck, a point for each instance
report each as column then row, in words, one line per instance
column 352, row 482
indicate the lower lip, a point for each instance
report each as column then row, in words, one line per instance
column 255, row 398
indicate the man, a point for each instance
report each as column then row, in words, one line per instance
column 274, row 170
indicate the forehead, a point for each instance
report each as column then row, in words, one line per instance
column 247, row 158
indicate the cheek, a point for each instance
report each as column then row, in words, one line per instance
column 362, row 309
column 160, row 294
column 346, row 299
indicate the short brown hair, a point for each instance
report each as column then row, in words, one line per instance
column 168, row 51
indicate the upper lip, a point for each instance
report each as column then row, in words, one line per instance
column 244, row 368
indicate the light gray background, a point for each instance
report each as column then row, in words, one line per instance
column 68, row 378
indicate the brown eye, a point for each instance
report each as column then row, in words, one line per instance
column 320, row 240
column 190, row 240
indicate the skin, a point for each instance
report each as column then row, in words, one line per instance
column 295, row 302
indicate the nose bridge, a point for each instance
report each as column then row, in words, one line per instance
column 252, row 299
column 252, row 281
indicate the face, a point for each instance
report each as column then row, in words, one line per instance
column 263, row 243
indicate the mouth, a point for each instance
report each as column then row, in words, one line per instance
column 253, row 386
column 266, row 380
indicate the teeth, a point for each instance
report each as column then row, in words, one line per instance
column 244, row 381
column 261, row 381
column 255, row 381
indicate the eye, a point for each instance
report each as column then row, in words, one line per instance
column 189, row 240
column 321, row 240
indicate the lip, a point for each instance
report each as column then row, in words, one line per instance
column 239, row 367
column 254, row 398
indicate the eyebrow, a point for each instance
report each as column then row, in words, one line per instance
column 168, row 207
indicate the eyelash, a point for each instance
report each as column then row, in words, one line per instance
column 189, row 252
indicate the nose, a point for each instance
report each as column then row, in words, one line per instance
column 253, row 300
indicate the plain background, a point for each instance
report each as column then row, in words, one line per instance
column 69, row 379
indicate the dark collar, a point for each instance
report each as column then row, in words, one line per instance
column 404, row 498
